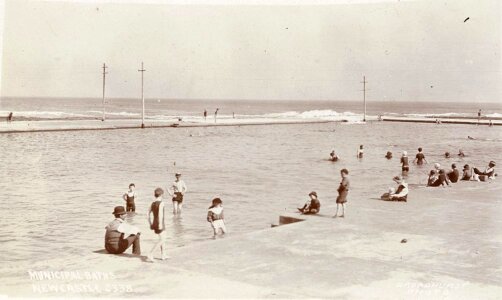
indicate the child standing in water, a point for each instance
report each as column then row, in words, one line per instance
column 216, row 218
column 177, row 191
column 343, row 190
column 405, row 167
column 420, row 157
column 157, row 209
column 360, row 152
column 129, row 198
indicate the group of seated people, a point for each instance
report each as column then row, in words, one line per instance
column 439, row 177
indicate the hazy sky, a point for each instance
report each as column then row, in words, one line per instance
column 408, row 50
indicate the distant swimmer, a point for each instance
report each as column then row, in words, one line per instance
column 205, row 115
column 388, row 155
column 343, row 191
column 447, row 154
column 333, row 156
column 420, row 157
column 313, row 206
column 405, row 167
column 216, row 114
column 470, row 137
column 360, row 152
column 129, row 197
column 216, row 217
column 461, row 153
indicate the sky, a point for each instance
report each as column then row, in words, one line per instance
column 254, row 49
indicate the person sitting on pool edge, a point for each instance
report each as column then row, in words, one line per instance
column 313, row 206
column 399, row 194
column 441, row 179
column 489, row 172
column 120, row 235
column 454, row 174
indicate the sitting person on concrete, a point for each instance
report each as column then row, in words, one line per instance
column 467, row 173
column 399, row 194
column 489, row 172
column 313, row 206
column 440, row 180
column 454, row 174
column 120, row 235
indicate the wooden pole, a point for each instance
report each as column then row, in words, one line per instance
column 104, row 76
column 142, row 70
column 364, row 97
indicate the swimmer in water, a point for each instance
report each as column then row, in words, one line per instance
column 388, row 155
column 360, row 152
column 334, row 156
column 461, row 153
column 405, row 167
column 447, row 154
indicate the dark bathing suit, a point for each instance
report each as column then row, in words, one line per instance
column 178, row 197
column 343, row 191
column 440, row 181
column 454, row 175
column 420, row 158
column 131, row 206
column 404, row 161
column 156, row 222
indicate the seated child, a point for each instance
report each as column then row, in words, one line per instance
column 399, row 194
column 313, row 206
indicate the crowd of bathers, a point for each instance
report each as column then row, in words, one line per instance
column 436, row 177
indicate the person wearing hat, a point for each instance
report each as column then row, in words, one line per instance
column 399, row 194
column 216, row 217
column 120, row 236
column 313, row 206
column 489, row 172
column 177, row 191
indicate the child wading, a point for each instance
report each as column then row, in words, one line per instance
column 177, row 191
column 343, row 190
column 157, row 209
column 129, row 198
column 215, row 217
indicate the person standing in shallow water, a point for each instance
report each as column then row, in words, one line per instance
column 216, row 114
column 405, row 167
column 360, row 152
column 129, row 197
column 420, row 157
column 205, row 115
column 158, row 225
column 343, row 191
column 216, row 217
column 177, row 191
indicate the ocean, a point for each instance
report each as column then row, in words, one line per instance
column 66, row 108
column 58, row 189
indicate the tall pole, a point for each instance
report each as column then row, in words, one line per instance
column 142, row 70
column 364, row 96
column 104, row 76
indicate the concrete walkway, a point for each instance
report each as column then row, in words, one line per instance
column 452, row 251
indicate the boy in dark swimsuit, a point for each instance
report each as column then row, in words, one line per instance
column 129, row 198
column 420, row 157
column 311, row 207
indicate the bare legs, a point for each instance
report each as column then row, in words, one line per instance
column 177, row 207
column 163, row 247
column 343, row 210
